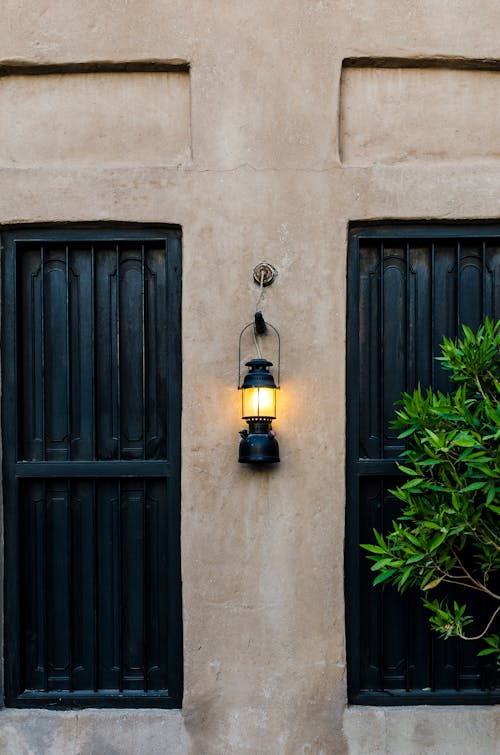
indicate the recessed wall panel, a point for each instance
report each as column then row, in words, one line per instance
column 407, row 115
column 96, row 118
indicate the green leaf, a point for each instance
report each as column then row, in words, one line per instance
column 473, row 486
column 465, row 442
column 406, row 433
column 384, row 576
column 493, row 640
column 407, row 470
column 374, row 548
column 416, row 482
column 489, row 651
column 432, row 584
column 437, row 540
column 404, row 577
column 383, row 563
column 415, row 559
column 433, row 437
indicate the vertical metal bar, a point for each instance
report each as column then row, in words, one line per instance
column 145, row 592
column 410, row 361
column 95, row 590
column 409, row 352
column 143, row 310
column 118, row 381
column 69, row 492
column 44, row 484
column 71, row 601
column 483, row 281
column 433, row 312
column 68, row 356
column 459, row 284
column 381, row 341
column 353, row 607
column 94, row 527
column 382, row 609
column 42, row 345
column 119, row 550
column 432, row 662
column 11, row 342
column 92, row 349
column 144, row 488
column 408, row 636
column 45, row 606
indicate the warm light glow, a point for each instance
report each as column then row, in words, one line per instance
column 259, row 402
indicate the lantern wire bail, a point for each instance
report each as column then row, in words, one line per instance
column 260, row 327
column 264, row 274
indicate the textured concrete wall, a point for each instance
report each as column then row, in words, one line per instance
column 66, row 120
column 262, row 551
column 448, row 115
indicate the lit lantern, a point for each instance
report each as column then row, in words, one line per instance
column 258, row 407
column 258, row 444
column 258, row 392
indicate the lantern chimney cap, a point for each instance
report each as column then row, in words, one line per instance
column 258, row 375
column 258, row 364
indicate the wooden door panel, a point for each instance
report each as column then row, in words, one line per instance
column 408, row 286
column 93, row 490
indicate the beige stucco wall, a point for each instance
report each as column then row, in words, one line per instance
column 449, row 115
column 66, row 119
column 252, row 172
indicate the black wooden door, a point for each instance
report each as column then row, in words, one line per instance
column 407, row 287
column 91, row 439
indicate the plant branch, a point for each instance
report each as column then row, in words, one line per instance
column 475, row 581
column 491, row 534
column 463, row 581
column 488, row 625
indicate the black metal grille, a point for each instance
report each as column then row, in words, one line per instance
column 408, row 286
column 91, row 413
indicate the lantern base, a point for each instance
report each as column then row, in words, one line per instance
column 259, row 446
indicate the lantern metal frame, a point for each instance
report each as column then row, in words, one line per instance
column 258, row 444
column 253, row 325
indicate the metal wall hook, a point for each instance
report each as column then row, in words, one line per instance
column 264, row 273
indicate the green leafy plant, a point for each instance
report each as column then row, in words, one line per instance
column 448, row 531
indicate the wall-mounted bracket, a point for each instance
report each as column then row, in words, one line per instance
column 265, row 273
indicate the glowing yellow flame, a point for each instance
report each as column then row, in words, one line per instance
column 259, row 402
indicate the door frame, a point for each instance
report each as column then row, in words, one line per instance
column 68, row 233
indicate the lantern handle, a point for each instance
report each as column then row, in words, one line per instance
column 254, row 325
